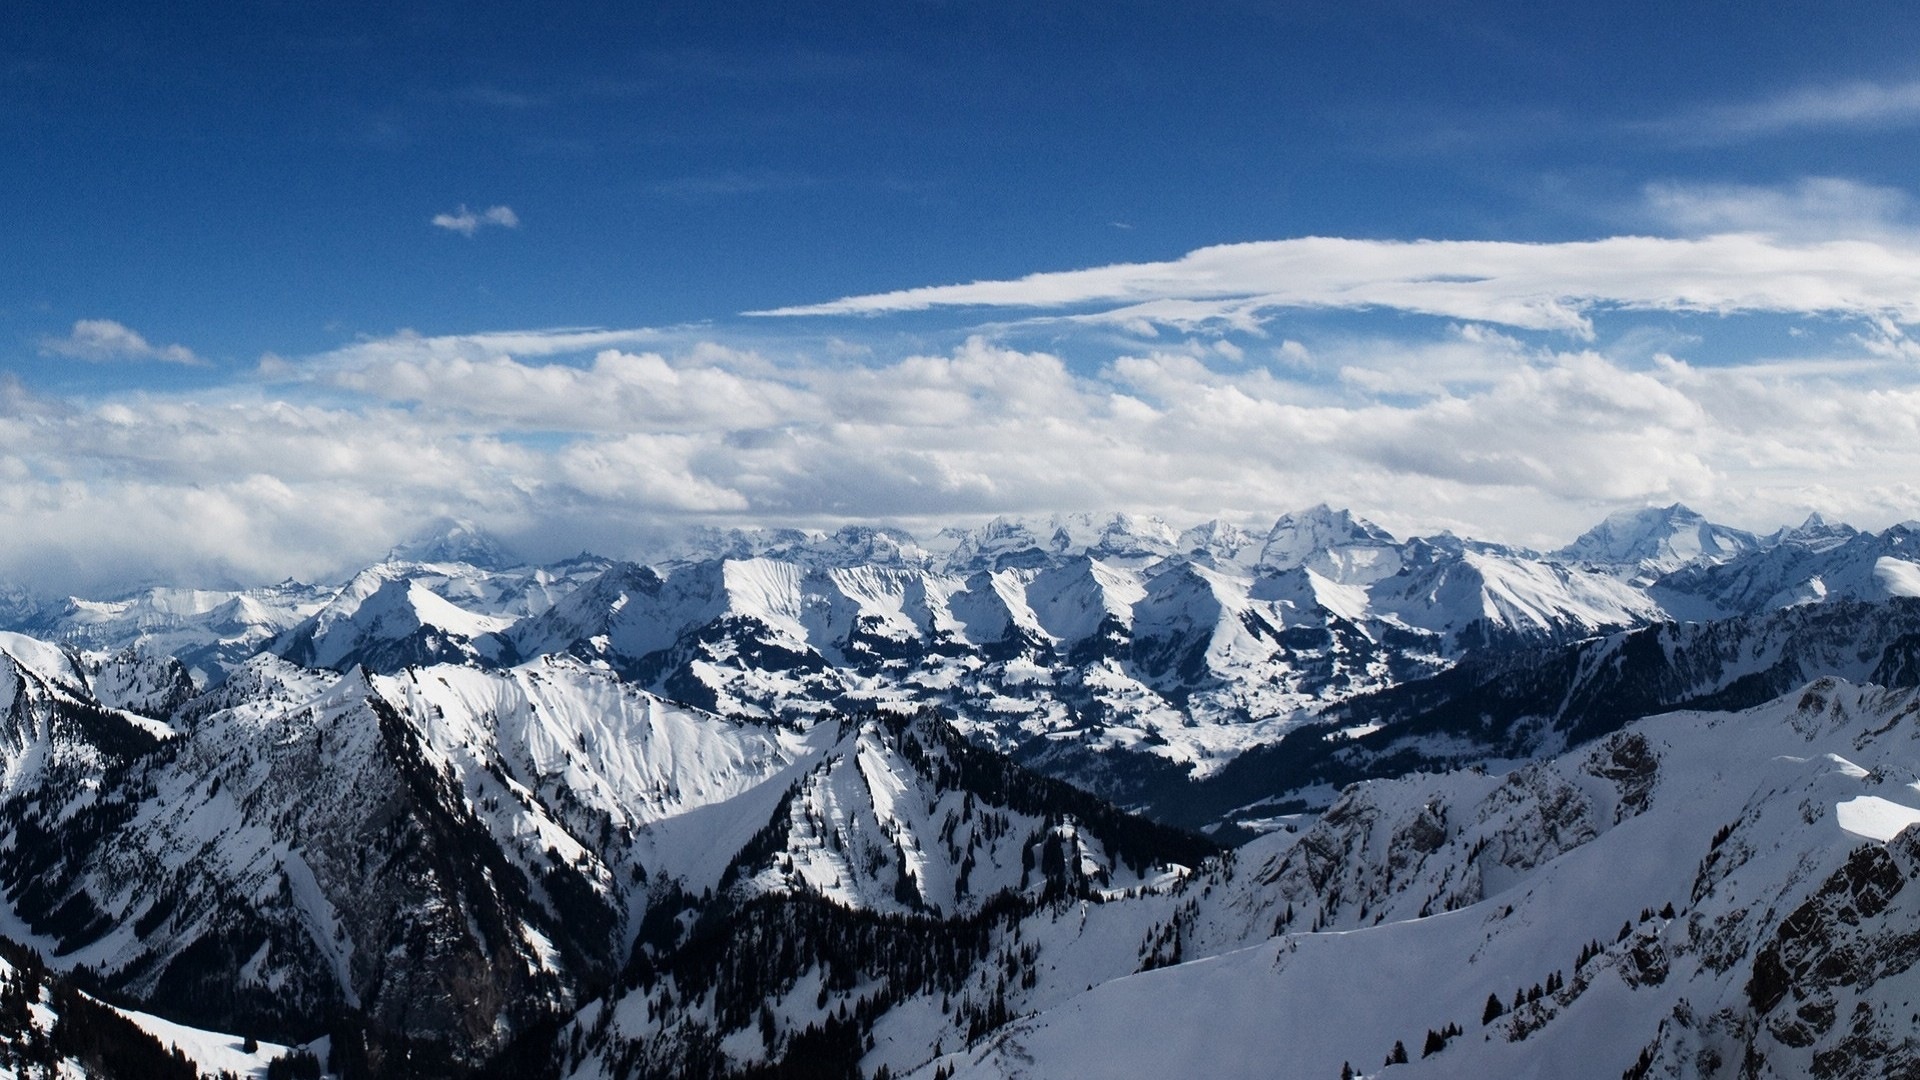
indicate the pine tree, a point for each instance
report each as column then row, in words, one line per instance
column 1493, row 1011
column 1399, row 1054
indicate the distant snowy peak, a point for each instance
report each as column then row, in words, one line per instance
column 1009, row 542
column 1640, row 545
column 850, row 545
column 456, row 540
column 1809, row 566
column 387, row 623
column 1220, row 542
column 1815, row 533
column 1479, row 595
column 1334, row 544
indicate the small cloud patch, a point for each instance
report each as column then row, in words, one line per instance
column 466, row 222
column 102, row 341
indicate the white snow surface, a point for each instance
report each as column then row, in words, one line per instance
column 1414, row 900
column 1873, row 817
column 212, row 1052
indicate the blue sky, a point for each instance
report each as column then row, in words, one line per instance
column 293, row 261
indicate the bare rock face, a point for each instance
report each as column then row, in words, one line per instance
column 1812, row 982
column 291, row 850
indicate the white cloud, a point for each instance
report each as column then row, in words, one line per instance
column 104, row 341
column 466, row 222
column 573, row 438
column 1534, row 286
column 570, row 437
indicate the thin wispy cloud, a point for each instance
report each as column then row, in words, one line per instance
column 408, row 347
column 1533, row 286
column 725, row 184
column 102, row 341
column 466, row 222
column 1850, row 105
column 1812, row 208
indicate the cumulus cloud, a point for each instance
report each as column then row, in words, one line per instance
column 1533, row 286
column 466, row 222
column 1472, row 429
column 106, row 341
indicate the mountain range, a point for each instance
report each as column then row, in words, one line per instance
column 1077, row 796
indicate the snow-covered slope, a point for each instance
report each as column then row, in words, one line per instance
column 1480, row 595
column 1708, row 894
column 387, row 623
column 454, row 856
column 450, row 853
column 1697, row 894
column 1334, row 544
column 50, row 1028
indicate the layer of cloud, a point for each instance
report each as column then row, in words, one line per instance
column 466, row 222
column 1534, row 286
column 102, row 341
column 1472, row 429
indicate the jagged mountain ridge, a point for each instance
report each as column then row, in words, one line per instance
column 1110, row 648
column 454, row 857
column 1523, row 705
column 541, row 839
column 1696, row 894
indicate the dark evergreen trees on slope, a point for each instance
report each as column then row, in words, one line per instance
column 953, row 763
column 94, row 1037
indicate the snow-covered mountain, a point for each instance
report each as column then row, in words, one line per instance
column 50, row 1027
column 1810, row 565
column 456, row 856
column 456, row 540
column 793, row 800
column 208, row 630
column 1699, row 895
column 1111, row 649
column 1641, row 545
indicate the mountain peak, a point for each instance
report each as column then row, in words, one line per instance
column 1031, row 541
column 455, row 540
column 1649, row 541
column 1333, row 543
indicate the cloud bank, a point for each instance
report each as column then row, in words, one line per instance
column 1474, row 430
